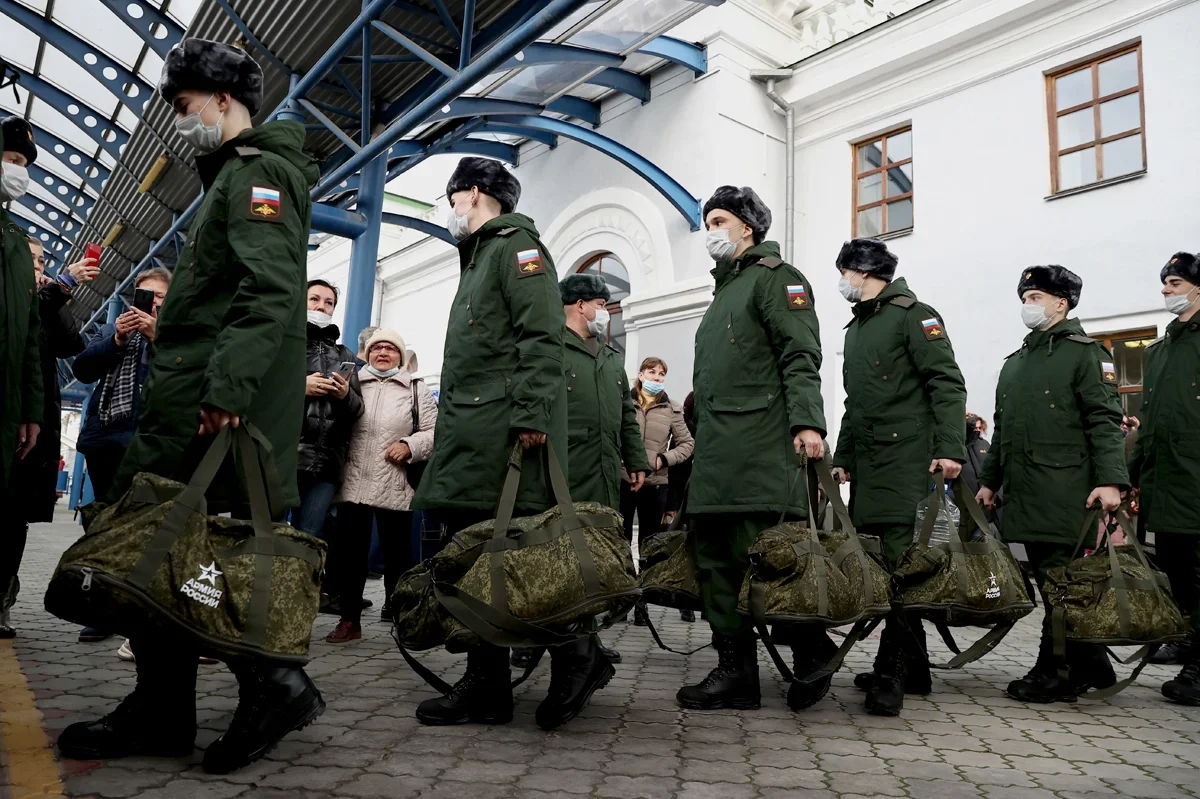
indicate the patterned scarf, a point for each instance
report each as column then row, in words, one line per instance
column 121, row 387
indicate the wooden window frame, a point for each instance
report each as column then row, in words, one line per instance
column 1108, row 339
column 884, row 200
column 1092, row 63
column 614, row 308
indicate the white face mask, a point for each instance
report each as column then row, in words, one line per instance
column 319, row 319
column 851, row 292
column 14, row 182
column 720, row 247
column 1035, row 317
column 1179, row 303
column 457, row 225
column 205, row 138
column 598, row 327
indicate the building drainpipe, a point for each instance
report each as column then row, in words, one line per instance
column 770, row 76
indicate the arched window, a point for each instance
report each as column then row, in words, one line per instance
column 617, row 278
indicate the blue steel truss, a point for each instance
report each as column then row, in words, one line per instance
column 154, row 27
column 88, row 169
column 107, row 135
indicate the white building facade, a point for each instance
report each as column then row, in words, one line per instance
column 977, row 136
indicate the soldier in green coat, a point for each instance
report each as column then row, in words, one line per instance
column 905, row 405
column 229, row 347
column 758, row 398
column 1057, row 449
column 1165, row 464
column 502, row 382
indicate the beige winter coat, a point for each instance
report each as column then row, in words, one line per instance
column 370, row 478
column 663, row 426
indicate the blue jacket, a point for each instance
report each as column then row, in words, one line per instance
column 93, row 365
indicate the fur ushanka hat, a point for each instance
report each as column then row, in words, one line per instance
column 745, row 205
column 492, row 179
column 1053, row 279
column 583, row 287
column 868, row 255
column 208, row 66
column 1184, row 265
column 18, row 138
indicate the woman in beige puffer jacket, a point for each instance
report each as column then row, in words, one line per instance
column 394, row 431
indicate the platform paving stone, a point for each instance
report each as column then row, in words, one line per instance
column 966, row 739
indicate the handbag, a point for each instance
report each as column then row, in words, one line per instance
column 413, row 472
column 962, row 582
column 1112, row 597
column 155, row 560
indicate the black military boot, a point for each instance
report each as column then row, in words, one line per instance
column 1172, row 654
column 688, row 616
column 1185, row 688
column 640, row 617
column 917, row 677
column 732, row 684
column 1089, row 667
column 1043, row 684
column 610, row 654
column 8, row 598
column 885, row 695
column 482, row 696
column 810, row 653
column 272, row 702
column 577, row 670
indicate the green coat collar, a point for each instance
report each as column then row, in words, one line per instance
column 726, row 271
column 1048, row 338
column 896, row 288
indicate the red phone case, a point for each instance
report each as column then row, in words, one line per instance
column 92, row 250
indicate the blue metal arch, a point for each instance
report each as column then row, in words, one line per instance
column 584, row 110
column 52, row 182
column 37, row 230
column 50, row 227
column 31, row 202
column 541, row 136
column 637, row 86
column 676, row 194
column 551, row 53
column 64, row 151
column 429, row 228
column 62, row 102
column 126, row 86
column 143, row 24
column 677, row 51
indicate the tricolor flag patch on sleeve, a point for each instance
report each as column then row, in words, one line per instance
column 529, row 262
column 1109, row 371
column 266, row 203
column 933, row 329
column 797, row 297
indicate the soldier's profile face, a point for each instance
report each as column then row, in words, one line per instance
column 15, row 158
column 1176, row 286
column 191, row 101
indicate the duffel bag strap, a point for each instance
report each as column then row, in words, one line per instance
column 443, row 687
column 259, row 612
column 495, row 626
column 658, row 640
column 834, row 494
column 974, row 652
column 861, row 629
column 1142, row 657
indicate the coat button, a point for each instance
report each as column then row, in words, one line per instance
column 470, row 321
column 572, row 374
column 733, row 341
column 1052, row 405
column 885, row 377
column 877, row 363
column 477, row 399
column 895, row 435
column 569, row 388
column 1047, row 391
column 179, row 360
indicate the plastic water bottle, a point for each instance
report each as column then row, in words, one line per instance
column 944, row 526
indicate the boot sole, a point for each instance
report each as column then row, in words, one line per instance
column 730, row 704
column 90, row 753
column 921, row 690
column 436, row 721
column 1042, row 700
column 609, row 673
column 1179, row 698
column 310, row 714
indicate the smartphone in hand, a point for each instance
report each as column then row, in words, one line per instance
column 93, row 250
column 345, row 369
column 143, row 300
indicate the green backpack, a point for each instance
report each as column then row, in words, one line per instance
column 1112, row 597
column 962, row 582
column 155, row 558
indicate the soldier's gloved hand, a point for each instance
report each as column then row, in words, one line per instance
column 841, row 475
column 986, row 497
column 1109, row 496
column 531, row 438
column 949, row 468
column 810, row 442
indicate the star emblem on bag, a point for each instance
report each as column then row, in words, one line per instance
column 211, row 573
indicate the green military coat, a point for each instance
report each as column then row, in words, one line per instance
column 905, row 405
column 502, row 371
column 1166, row 458
column 20, row 364
column 231, row 332
column 757, row 383
column 1057, row 434
column 602, row 426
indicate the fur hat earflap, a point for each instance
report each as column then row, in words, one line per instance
column 745, row 205
column 1184, row 265
column 207, row 66
column 1053, row 279
column 583, row 287
column 18, row 138
column 492, row 179
column 868, row 255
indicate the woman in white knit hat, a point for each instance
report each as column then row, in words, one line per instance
column 394, row 432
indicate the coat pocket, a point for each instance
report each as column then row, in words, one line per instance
column 482, row 394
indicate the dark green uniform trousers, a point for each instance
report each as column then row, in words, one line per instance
column 903, row 633
column 1178, row 555
column 720, row 545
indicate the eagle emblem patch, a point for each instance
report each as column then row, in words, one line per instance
column 266, row 204
column 797, row 297
column 529, row 263
column 1109, row 372
column 933, row 329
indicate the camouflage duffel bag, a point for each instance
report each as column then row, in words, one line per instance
column 1112, row 597
column 668, row 575
column 155, row 561
column 524, row 582
column 962, row 582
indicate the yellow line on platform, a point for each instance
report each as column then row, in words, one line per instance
column 32, row 769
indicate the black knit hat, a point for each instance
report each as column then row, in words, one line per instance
column 18, row 138
column 745, row 205
column 1184, row 265
column 583, row 287
column 207, row 66
column 492, row 179
column 868, row 255
column 1053, row 279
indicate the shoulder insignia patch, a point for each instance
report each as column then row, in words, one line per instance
column 529, row 263
column 903, row 302
column 1109, row 372
column 507, row 231
column 797, row 297
column 265, row 204
column 1080, row 339
column 770, row 262
column 248, row 152
column 933, row 328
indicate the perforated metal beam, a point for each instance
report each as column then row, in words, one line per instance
column 143, row 19
column 71, row 156
column 38, row 230
column 75, row 110
column 80, row 201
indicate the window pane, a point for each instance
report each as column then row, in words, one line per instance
column 1118, row 73
column 899, row 147
column 900, row 215
column 1120, row 115
column 1077, row 169
column 1076, row 128
column 616, row 331
column 1129, row 356
column 1071, row 90
column 870, row 221
column 616, row 276
column 900, row 180
column 870, row 156
column 1123, row 156
column 870, row 189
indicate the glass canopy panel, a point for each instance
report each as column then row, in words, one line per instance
column 78, row 82
column 93, row 22
column 61, row 126
column 18, row 46
column 182, row 11
column 37, row 5
column 629, row 24
column 578, row 16
column 539, row 83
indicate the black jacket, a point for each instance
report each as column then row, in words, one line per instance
column 327, row 420
column 37, row 475
column 977, row 450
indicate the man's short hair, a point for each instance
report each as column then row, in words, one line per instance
column 157, row 273
column 319, row 282
column 35, row 240
column 364, row 337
